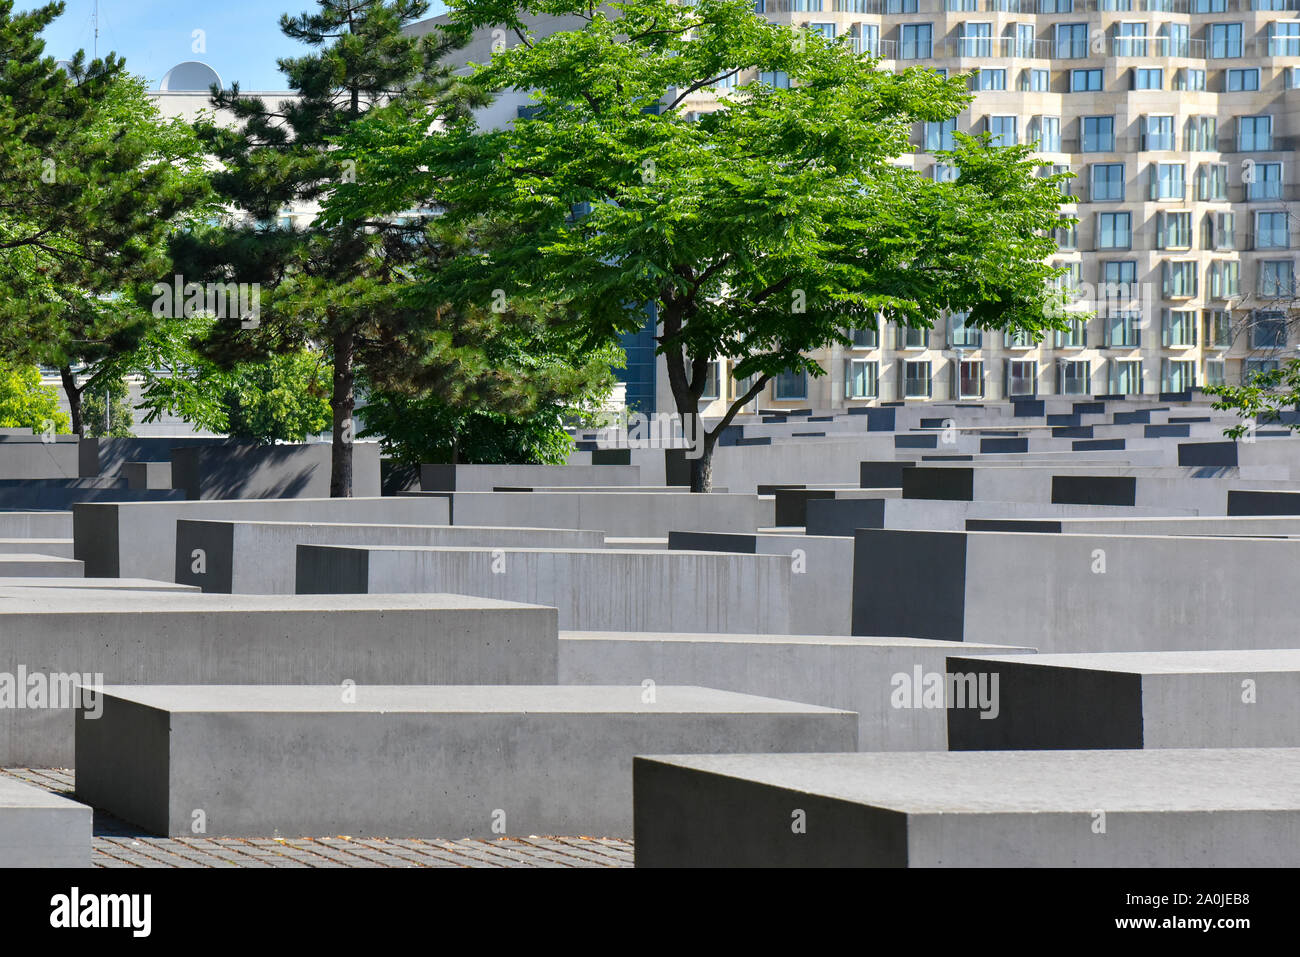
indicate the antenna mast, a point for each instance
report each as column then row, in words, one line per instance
column 95, row 18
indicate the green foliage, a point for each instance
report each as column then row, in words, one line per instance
column 1261, row 398
column 108, row 403
column 763, row 231
column 26, row 403
column 283, row 396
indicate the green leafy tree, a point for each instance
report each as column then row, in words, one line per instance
column 108, row 411
column 501, row 388
column 323, row 284
column 92, row 183
column 283, row 396
column 762, row 230
column 1261, row 399
column 25, row 403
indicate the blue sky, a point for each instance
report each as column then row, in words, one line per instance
column 242, row 36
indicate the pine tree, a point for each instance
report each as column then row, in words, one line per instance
column 322, row 285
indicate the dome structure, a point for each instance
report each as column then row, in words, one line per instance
column 189, row 77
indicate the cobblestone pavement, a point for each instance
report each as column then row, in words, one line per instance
column 118, row 844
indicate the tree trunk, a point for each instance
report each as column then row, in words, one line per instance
column 74, row 397
column 702, row 468
column 343, row 402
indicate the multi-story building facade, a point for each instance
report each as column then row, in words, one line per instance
column 1178, row 119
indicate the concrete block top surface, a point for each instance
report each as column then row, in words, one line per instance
column 995, row 782
column 1244, row 661
column 738, row 639
column 18, row 794
column 28, row 601
column 97, row 584
column 20, row 557
column 455, row 699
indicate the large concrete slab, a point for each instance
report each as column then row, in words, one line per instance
column 259, row 557
column 1157, row 808
column 620, row 514
column 269, row 471
column 141, row 637
column 486, row 478
column 1077, row 593
column 35, row 524
column 594, row 589
column 58, row 547
column 410, row 761
column 138, row 540
column 19, row 565
column 40, row 829
column 887, row 681
column 1169, row 699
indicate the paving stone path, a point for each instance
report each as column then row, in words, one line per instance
column 118, row 844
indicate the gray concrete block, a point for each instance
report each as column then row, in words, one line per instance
column 619, row 514
column 142, row 475
column 40, row 829
column 260, row 557
column 21, row 565
column 882, row 679
column 593, row 589
column 58, row 547
column 35, row 524
column 1151, row 808
column 143, row 637
column 1170, row 699
column 269, row 471
column 410, row 761
column 138, row 540
column 485, row 478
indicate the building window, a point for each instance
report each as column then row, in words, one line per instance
column 976, row 39
column 1220, row 231
column 1174, row 230
column 1130, row 39
column 1157, row 133
column 1119, row 279
column 1214, row 372
column 1225, row 41
column 1174, row 40
column 1145, row 78
column 825, row 30
column 916, row 380
column 1074, row 336
column 1179, row 328
column 1180, row 375
column 866, row 39
column 913, row 338
column 1253, row 367
column 1218, row 329
column 1003, row 130
column 939, row 136
column 1067, row 237
column 962, row 336
column 1123, row 330
column 861, row 379
column 777, row 79
column 1202, row 133
column 1254, row 133
column 1264, row 181
column 1190, row 79
column 1168, row 181
column 1268, row 330
column 945, row 172
column 1271, row 231
column 1114, row 231
column 1212, row 182
column 1071, row 41
column 1178, row 279
column 791, row 384
column 1098, row 134
column 989, row 79
column 1209, row 6
column 1225, row 279
column 1035, row 81
column 865, row 337
column 918, row 41
column 1241, row 81
column 1125, row 377
column 970, row 379
column 1022, row 377
column 1085, row 81
column 1107, row 182
column 712, row 382
column 1046, row 130
column 1075, row 377
column 1276, row 279
column 1284, row 36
